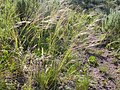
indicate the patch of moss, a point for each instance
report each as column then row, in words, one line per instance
column 92, row 61
column 103, row 69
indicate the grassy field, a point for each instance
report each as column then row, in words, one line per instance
column 59, row 44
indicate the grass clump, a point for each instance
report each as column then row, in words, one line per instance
column 82, row 83
column 111, row 26
column 36, row 45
